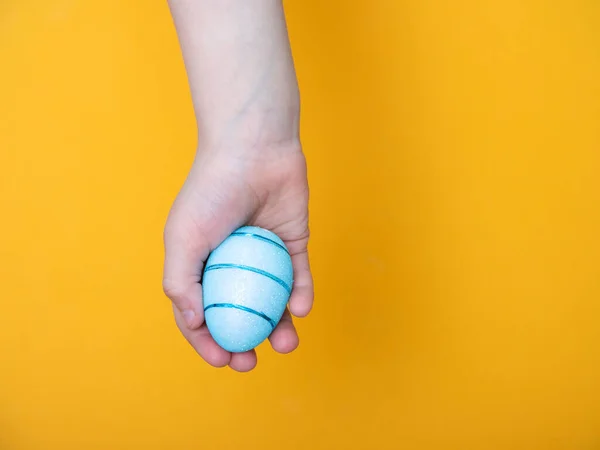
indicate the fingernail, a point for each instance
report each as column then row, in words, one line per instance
column 189, row 316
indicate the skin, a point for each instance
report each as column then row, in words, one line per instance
column 249, row 167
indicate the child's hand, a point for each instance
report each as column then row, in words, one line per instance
column 249, row 170
column 223, row 192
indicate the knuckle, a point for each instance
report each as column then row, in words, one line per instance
column 172, row 289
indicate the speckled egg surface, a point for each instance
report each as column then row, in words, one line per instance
column 246, row 285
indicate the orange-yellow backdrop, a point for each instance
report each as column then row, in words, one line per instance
column 454, row 151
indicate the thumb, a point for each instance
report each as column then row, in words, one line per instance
column 186, row 249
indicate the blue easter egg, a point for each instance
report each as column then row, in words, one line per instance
column 246, row 285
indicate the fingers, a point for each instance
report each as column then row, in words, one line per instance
column 284, row 338
column 185, row 252
column 203, row 343
column 211, row 352
column 301, row 299
column 243, row 362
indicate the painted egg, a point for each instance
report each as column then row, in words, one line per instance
column 246, row 285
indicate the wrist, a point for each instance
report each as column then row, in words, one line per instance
column 252, row 132
column 250, row 159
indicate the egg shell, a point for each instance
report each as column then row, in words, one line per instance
column 246, row 285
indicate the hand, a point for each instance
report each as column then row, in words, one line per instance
column 226, row 190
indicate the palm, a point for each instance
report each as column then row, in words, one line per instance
column 220, row 195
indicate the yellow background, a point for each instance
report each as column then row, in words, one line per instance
column 454, row 155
